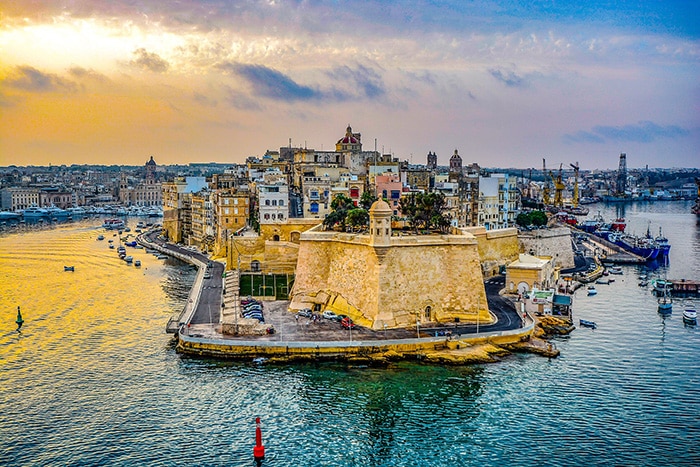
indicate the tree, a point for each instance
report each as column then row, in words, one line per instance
column 357, row 218
column 425, row 211
column 367, row 200
column 340, row 206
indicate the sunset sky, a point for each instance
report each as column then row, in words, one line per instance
column 505, row 83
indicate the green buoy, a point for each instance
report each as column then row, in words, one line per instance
column 19, row 319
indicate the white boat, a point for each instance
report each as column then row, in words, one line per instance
column 113, row 224
column 34, row 212
column 690, row 315
column 616, row 270
column 128, row 259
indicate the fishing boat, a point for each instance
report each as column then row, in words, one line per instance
column 665, row 302
column 100, row 237
column 69, row 268
column 592, row 290
column 662, row 242
column 690, row 316
column 587, row 324
column 616, row 270
column 137, row 263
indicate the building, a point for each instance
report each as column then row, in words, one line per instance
column 385, row 281
column 18, row 198
column 530, row 272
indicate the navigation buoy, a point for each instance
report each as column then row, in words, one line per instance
column 259, row 449
column 19, row 319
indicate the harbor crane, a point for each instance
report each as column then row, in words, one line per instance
column 575, row 199
column 545, row 187
column 559, row 187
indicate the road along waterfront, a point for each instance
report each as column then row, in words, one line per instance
column 94, row 380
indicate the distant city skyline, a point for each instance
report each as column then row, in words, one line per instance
column 506, row 83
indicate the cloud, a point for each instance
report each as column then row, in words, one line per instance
column 642, row 132
column 509, row 78
column 272, row 84
column 84, row 73
column 28, row 78
column 367, row 81
column 149, row 61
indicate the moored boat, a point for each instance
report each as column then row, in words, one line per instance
column 113, row 224
column 587, row 324
column 592, row 290
column 690, row 315
column 616, row 270
column 69, row 268
column 665, row 302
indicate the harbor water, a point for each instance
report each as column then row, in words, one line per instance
column 93, row 379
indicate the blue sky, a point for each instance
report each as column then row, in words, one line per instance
column 504, row 83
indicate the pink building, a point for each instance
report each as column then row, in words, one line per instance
column 390, row 188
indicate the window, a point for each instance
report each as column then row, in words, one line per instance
column 267, row 216
column 395, row 194
column 313, row 194
column 267, row 202
column 384, row 194
column 274, row 202
column 313, row 207
column 354, row 192
column 281, row 203
column 235, row 201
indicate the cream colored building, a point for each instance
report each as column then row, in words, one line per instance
column 380, row 279
column 531, row 272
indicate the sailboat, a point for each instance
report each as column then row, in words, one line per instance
column 665, row 302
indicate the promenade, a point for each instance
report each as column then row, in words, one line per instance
column 198, row 327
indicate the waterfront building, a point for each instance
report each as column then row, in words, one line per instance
column 18, row 198
column 177, row 199
column 530, row 272
column 146, row 191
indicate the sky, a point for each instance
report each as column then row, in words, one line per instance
column 505, row 83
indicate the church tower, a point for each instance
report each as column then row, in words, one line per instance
column 455, row 163
column 432, row 161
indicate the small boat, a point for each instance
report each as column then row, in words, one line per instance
column 592, row 290
column 19, row 319
column 129, row 259
column 111, row 245
column 665, row 302
column 137, row 263
column 100, row 237
column 604, row 281
column 616, row 270
column 587, row 324
column 69, row 268
column 643, row 283
column 690, row 316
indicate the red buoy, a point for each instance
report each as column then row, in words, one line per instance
column 259, row 449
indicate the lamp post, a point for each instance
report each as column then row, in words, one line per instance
column 478, row 305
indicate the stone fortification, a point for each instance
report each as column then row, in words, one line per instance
column 497, row 248
column 554, row 242
column 383, row 279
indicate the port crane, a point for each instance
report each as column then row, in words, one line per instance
column 545, row 187
column 559, row 187
column 575, row 199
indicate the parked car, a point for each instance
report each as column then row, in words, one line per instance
column 328, row 314
column 306, row 312
column 347, row 323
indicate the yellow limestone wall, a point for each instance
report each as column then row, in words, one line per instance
column 391, row 285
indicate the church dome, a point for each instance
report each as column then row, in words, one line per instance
column 349, row 138
column 151, row 161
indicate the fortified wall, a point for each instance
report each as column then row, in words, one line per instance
column 380, row 279
column 497, row 248
column 554, row 242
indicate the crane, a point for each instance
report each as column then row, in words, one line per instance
column 559, row 187
column 574, row 201
column 545, row 187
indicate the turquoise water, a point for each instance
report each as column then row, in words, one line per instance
column 94, row 380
